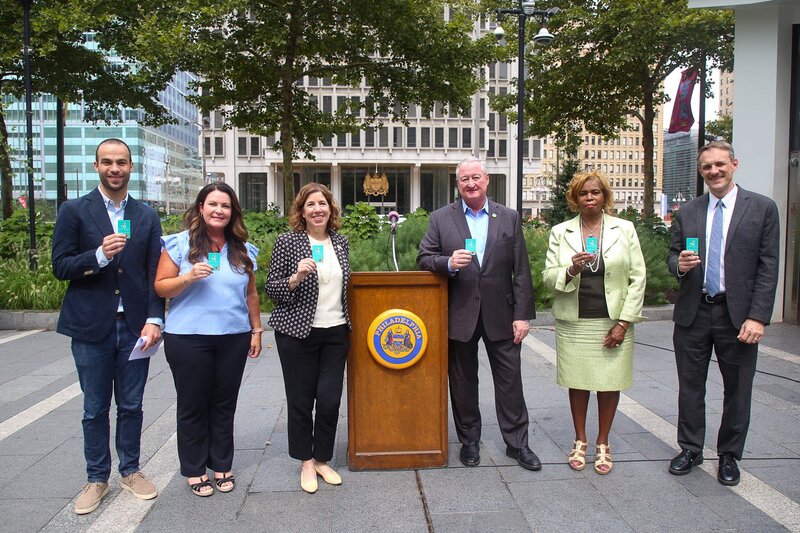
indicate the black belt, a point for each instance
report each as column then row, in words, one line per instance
column 120, row 316
column 716, row 299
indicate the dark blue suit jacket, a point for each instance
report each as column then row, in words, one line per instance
column 92, row 299
column 752, row 250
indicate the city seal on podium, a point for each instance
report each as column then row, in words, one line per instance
column 397, row 339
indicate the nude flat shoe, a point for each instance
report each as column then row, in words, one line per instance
column 308, row 485
column 331, row 477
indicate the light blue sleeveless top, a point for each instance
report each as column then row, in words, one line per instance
column 216, row 305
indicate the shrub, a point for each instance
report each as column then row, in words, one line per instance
column 21, row 288
column 360, row 221
column 15, row 231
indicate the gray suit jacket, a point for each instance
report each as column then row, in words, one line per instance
column 751, row 258
column 500, row 290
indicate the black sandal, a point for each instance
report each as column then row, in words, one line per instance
column 198, row 487
column 225, row 479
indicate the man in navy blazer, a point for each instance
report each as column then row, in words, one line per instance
column 726, row 311
column 490, row 297
column 109, row 305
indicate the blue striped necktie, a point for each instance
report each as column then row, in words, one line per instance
column 714, row 252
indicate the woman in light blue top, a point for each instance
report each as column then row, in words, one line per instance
column 213, row 325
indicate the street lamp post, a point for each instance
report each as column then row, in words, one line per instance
column 527, row 9
column 26, row 21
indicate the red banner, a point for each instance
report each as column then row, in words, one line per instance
column 682, row 118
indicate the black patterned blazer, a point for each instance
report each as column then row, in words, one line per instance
column 294, row 310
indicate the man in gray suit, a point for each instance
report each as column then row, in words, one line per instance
column 478, row 244
column 727, row 290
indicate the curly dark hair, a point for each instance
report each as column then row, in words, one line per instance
column 296, row 220
column 235, row 232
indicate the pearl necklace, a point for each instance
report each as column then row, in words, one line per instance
column 594, row 266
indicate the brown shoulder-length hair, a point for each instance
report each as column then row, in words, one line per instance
column 579, row 180
column 296, row 220
column 235, row 232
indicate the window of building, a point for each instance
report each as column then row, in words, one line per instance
column 502, row 148
column 355, row 139
column 438, row 137
column 383, row 137
column 452, row 138
column 537, row 148
column 369, row 137
column 425, row 138
column 466, row 137
column 327, row 104
column 411, row 137
column 399, row 195
column 490, row 151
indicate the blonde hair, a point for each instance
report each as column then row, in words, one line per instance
column 579, row 180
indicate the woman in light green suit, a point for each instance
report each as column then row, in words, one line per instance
column 596, row 270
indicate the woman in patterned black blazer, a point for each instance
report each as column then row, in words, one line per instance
column 308, row 276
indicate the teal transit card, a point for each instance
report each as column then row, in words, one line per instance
column 213, row 260
column 471, row 245
column 591, row 245
column 317, row 253
column 124, row 226
column 693, row 244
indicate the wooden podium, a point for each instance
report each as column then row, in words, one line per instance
column 397, row 417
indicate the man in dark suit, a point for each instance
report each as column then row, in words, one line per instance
column 727, row 290
column 479, row 245
column 110, row 303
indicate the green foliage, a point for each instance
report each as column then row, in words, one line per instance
column 171, row 224
column 15, row 232
column 145, row 33
column 594, row 75
column 360, row 221
column 20, row 288
column 722, row 127
column 263, row 222
column 251, row 58
column 536, row 240
column 654, row 238
column 559, row 208
column 375, row 253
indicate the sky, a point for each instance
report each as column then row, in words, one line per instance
column 712, row 105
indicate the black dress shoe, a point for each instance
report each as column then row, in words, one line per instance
column 728, row 473
column 470, row 454
column 525, row 457
column 682, row 463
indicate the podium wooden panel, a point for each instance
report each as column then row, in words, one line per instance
column 397, row 418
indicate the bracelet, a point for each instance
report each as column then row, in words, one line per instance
column 569, row 272
column 623, row 325
column 257, row 330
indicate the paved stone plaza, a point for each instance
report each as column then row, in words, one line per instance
column 42, row 468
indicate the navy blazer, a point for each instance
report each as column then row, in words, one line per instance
column 92, row 299
column 752, row 247
column 295, row 310
column 500, row 290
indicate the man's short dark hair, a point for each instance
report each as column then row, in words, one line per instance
column 112, row 140
column 719, row 145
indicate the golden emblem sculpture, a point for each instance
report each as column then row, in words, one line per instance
column 376, row 184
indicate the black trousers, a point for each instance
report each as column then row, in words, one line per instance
column 313, row 374
column 712, row 328
column 504, row 359
column 207, row 371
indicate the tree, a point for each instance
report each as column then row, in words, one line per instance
column 609, row 61
column 559, row 208
column 144, row 35
column 253, row 57
column 722, row 127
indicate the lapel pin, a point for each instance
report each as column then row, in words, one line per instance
column 494, row 215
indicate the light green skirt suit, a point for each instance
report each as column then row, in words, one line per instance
column 583, row 362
